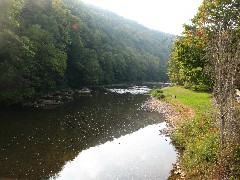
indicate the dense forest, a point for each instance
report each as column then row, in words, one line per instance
column 47, row 45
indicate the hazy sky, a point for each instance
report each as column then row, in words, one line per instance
column 163, row 15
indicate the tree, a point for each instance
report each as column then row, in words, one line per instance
column 220, row 21
column 187, row 63
column 50, row 61
column 15, row 55
column 47, row 45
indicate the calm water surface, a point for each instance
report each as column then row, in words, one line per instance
column 103, row 136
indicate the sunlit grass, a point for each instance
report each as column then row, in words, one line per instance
column 198, row 101
column 197, row 135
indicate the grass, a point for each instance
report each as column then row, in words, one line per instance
column 198, row 101
column 198, row 137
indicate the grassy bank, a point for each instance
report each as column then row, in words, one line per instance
column 197, row 136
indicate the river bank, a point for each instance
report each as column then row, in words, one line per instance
column 196, row 132
column 52, row 100
column 59, row 97
column 176, row 112
column 173, row 117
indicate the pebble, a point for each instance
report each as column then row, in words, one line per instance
column 169, row 111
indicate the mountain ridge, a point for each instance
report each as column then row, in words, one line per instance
column 54, row 44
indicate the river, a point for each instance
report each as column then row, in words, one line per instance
column 102, row 136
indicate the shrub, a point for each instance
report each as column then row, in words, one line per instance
column 157, row 93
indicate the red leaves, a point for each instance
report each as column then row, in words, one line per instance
column 75, row 26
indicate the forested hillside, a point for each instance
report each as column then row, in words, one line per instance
column 47, row 45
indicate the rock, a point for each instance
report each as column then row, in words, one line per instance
column 68, row 98
column 85, row 91
column 57, row 93
column 50, row 102
column 58, row 97
column 55, row 99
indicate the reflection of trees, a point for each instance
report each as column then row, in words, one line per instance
column 46, row 139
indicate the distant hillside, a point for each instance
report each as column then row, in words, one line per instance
column 50, row 44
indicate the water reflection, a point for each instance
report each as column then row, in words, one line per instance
column 140, row 155
column 36, row 143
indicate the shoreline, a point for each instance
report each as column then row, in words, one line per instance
column 170, row 112
column 173, row 117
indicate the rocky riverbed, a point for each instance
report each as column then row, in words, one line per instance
column 55, row 99
column 169, row 111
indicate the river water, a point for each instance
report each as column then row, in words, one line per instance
column 102, row 136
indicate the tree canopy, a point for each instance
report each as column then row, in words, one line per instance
column 50, row 44
column 190, row 62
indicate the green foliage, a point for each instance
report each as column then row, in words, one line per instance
column 49, row 44
column 51, row 61
column 138, row 54
column 157, row 93
column 188, row 61
column 198, row 137
column 210, row 45
column 199, row 101
column 237, row 153
column 189, row 65
column 15, row 56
